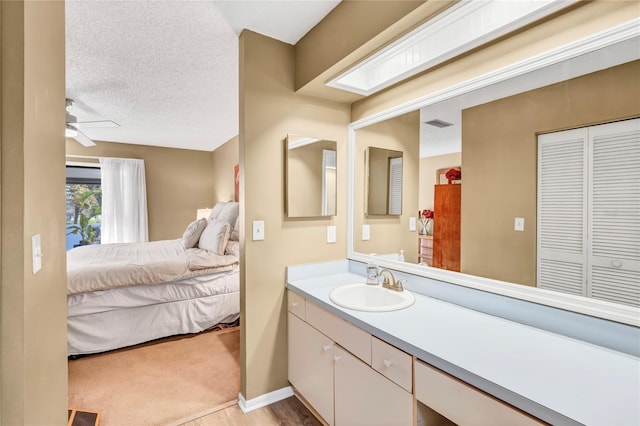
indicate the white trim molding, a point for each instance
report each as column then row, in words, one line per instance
column 264, row 400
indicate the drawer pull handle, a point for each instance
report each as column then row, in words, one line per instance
column 387, row 363
column 326, row 348
column 337, row 358
column 616, row 263
column 294, row 304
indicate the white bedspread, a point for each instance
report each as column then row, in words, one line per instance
column 102, row 267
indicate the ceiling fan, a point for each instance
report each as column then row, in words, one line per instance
column 73, row 126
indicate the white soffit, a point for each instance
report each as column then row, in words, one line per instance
column 466, row 25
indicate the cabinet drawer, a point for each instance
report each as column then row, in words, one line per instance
column 393, row 363
column 296, row 304
column 462, row 403
column 424, row 251
column 426, row 242
column 350, row 337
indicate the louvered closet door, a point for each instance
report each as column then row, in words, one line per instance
column 395, row 185
column 562, row 208
column 614, row 255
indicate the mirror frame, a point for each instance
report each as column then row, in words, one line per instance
column 579, row 304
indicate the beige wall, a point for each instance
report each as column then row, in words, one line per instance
column 33, row 306
column 400, row 134
column 269, row 110
column 225, row 157
column 500, row 163
column 428, row 167
column 179, row 181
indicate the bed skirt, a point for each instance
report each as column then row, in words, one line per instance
column 114, row 329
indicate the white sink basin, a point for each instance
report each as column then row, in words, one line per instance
column 370, row 298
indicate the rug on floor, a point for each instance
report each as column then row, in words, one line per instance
column 160, row 382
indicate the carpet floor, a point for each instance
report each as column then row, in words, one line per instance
column 159, row 383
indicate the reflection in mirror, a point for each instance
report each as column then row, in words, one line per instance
column 384, row 182
column 495, row 141
column 310, row 176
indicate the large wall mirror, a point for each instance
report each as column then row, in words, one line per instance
column 492, row 134
column 311, row 183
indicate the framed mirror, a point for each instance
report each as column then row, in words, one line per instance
column 494, row 139
column 383, row 194
column 310, row 177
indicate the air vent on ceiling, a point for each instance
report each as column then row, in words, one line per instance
column 438, row 123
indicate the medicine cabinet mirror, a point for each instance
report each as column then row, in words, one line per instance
column 310, row 170
column 384, row 182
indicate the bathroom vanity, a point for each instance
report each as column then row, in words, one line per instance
column 435, row 363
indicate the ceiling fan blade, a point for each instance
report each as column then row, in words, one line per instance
column 84, row 139
column 94, row 124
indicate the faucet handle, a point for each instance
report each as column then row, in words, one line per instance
column 400, row 284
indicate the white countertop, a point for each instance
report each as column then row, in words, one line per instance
column 553, row 377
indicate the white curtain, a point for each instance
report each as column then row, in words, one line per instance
column 124, row 201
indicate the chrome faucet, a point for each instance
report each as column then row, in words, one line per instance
column 389, row 281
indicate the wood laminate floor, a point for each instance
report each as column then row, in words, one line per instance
column 288, row 412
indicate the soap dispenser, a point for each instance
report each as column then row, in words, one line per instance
column 401, row 257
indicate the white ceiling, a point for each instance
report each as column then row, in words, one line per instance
column 167, row 71
column 438, row 141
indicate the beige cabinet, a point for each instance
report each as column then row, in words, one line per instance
column 311, row 366
column 365, row 397
column 330, row 366
column 461, row 403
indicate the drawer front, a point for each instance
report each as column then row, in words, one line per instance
column 350, row 337
column 296, row 304
column 393, row 363
column 462, row 403
column 424, row 251
column 426, row 242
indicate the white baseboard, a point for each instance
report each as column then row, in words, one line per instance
column 263, row 400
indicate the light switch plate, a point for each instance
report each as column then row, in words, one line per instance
column 412, row 223
column 519, row 224
column 331, row 234
column 36, row 252
column 258, row 230
column 366, row 232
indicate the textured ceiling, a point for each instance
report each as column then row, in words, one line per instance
column 167, row 71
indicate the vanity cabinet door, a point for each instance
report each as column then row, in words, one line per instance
column 311, row 366
column 365, row 397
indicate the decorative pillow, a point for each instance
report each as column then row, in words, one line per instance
column 215, row 236
column 235, row 233
column 192, row 233
column 227, row 212
column 233, row 248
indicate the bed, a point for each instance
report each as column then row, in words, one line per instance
column 120, row 295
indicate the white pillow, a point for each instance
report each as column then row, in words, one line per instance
column 215, row 236
column 235, row 233
column 225, row 211
column 233, row 248
column 192, row 233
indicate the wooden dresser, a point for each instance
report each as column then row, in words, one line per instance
column 446, row 227
column 425, row 249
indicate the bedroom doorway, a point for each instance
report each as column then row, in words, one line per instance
column 84, row 205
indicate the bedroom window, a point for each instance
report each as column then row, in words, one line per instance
column 84, row 205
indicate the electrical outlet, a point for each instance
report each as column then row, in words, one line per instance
column 519, row 224
column 412, row 223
